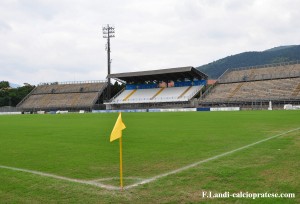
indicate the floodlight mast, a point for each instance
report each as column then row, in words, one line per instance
column 108, row 32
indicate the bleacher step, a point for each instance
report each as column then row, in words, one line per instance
column 130, row 94
column 185, row 91
column 238, row 87
column 296, row 90
column 157, row 93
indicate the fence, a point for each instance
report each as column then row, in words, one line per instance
column 9, row 109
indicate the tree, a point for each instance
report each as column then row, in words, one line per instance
column 4, row 84
column 12, row 96
column 116, row 88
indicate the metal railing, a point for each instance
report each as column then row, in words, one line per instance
column 266, row 65
column 26, row 97
column 212, row 86
column 9, row 109
column 72, row 82
column 98, row 95
column 113, row 98
column 222, row 100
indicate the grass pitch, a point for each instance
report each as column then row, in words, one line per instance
column 77, row 146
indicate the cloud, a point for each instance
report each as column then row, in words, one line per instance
column 4, row 27
column 52, row 40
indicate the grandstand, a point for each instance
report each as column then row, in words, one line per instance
column 279, row 83
column 63, row 96
column 175, row 87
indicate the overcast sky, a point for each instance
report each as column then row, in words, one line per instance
column 61, row 40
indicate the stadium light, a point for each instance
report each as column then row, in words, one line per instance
column 108, row 32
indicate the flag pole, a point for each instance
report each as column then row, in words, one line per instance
column 117, row 134
column 121, row 165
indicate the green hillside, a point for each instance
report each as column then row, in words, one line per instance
column 245, row 59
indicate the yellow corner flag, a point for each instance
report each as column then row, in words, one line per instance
column 117, row 134
column 117, row 131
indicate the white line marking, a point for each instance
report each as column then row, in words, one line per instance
column 110, row 187
column 117, row 178
column 205, row 160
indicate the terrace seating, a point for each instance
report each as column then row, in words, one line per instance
column 63, row 96
column 59, row 101
column 264, row 73
column 277, row 89
column 267, row 82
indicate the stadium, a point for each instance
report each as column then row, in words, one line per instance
column 197, row 102
column 259, row 87
column 189, row 150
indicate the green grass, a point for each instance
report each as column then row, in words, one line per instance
column 77, row 146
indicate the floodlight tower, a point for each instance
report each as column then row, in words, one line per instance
column 108, row 32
